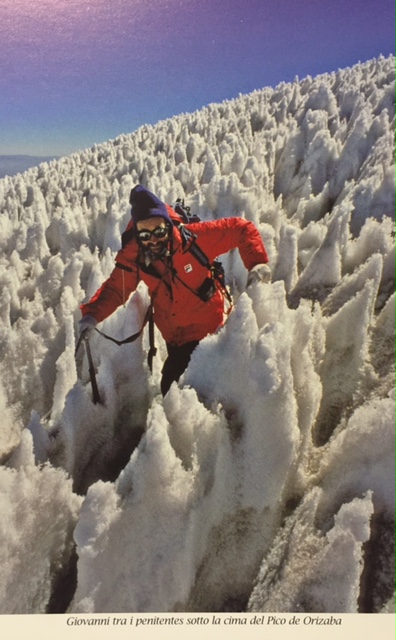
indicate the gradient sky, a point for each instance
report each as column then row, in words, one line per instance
column 78, row 72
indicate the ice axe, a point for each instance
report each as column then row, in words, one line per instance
column 95, row 391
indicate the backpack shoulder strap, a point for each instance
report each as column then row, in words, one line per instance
column 216, row 267
column 189, row 241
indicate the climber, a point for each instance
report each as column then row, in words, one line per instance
column 176, row 263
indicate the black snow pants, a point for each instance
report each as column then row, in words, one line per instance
column 176, row 363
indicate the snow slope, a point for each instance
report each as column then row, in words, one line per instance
column 264, row 480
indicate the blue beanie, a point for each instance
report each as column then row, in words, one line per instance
column 146, row 205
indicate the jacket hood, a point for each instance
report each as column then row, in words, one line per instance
column 146, row 205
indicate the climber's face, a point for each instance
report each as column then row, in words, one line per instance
column 153, row 234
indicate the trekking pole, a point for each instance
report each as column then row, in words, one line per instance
column 95, row 391
column 79, row 341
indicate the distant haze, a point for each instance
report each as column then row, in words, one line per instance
column 11, row 165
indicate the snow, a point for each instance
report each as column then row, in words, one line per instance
column 264, row 480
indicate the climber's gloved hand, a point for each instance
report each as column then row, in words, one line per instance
column 86, row 325
column 259, row 273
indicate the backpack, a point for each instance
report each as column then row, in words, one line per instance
column 184, row 212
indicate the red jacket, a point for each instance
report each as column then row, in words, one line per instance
column 179, row 313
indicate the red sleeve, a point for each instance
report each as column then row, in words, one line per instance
column 114, row 292
column 220, row 236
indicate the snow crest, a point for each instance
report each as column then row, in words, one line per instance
column 264, row 480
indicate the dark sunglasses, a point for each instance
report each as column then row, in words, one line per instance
column 159, row 232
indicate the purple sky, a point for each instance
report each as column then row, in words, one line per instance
column 78, row 72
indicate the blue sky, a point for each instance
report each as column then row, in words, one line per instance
column 78, row 72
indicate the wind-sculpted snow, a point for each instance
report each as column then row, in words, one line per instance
column 264, row 480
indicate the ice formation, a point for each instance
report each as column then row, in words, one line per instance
column 264, row 480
